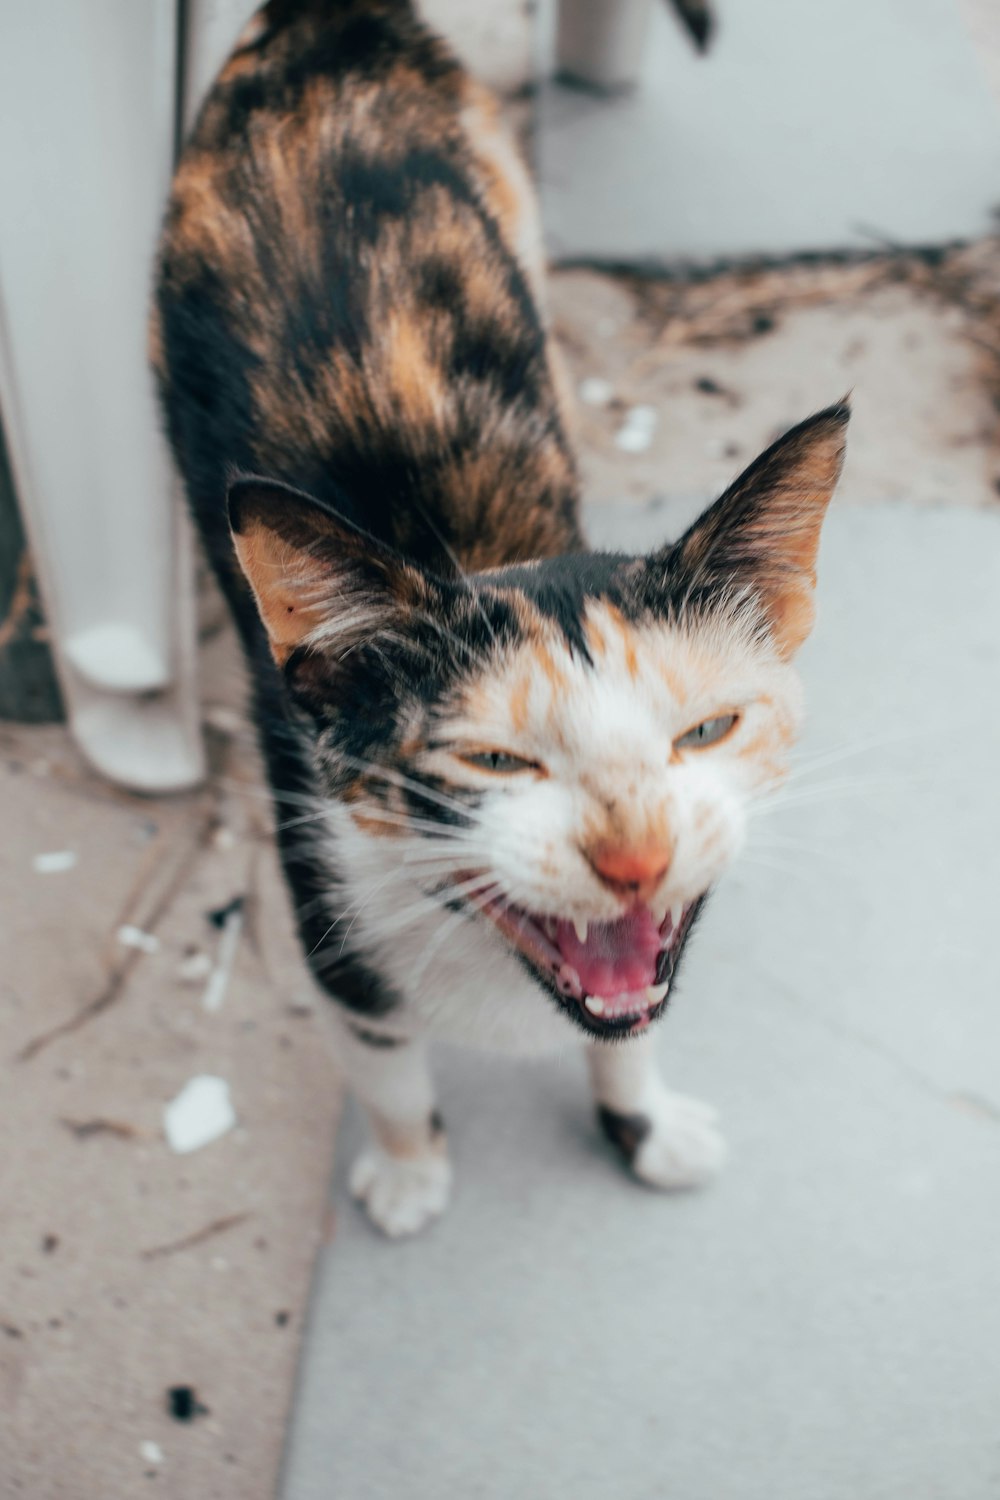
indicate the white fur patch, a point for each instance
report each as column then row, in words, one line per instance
column 684, row 1148
column 401, row 1194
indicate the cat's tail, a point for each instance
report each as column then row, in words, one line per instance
column 279, row 12
column 698, row 19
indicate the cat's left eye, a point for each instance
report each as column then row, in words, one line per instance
column 708, row 732
column 499, row 761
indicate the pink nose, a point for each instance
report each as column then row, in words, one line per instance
column 630, row 871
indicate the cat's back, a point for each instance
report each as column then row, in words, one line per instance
column 345, row 295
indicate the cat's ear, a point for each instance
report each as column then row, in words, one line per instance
column 318, row 580
column 763, row 533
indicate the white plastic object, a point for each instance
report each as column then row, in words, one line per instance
column 87, row 107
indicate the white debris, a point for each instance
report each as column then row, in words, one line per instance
column 54, row 863
column 594, row 391
column 632, row 439
column 194, row 967
column 215, row 989
column 151, row 1452
column 636, row 432
column 201, row 1113
column 134, row 937
column 223, row 719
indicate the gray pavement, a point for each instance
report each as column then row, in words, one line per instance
column 806, row 127
column 824, row 1323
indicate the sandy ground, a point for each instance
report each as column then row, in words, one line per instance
column 126, row 1270
column 727, row 365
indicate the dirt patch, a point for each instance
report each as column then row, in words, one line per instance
column 717, row 365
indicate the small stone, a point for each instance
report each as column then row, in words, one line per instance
column 594, row 391
column 151, row 1452
column 633, row 439
column 636, row 433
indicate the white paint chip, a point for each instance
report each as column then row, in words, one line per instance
column 151, row 1452
column 54, row 863
column 200, row 1114
column 134, row 937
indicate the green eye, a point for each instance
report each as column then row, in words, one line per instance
column 708, row 732
column 499, row 761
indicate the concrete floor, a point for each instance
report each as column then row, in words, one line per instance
column 803, row 128
column 824, row 1323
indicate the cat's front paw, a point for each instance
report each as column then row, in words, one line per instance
column 673, row 1143
column 401, row 1193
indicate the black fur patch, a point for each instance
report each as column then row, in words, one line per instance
column 559, row 588
column 625, row 1132
column 312, row 880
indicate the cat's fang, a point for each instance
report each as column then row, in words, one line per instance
column 660, row 911
column 657, row 992
column 580, row 928
column 595, row 1005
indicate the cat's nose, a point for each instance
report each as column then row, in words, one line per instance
column 634, row 870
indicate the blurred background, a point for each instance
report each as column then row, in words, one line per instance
column 750, row 210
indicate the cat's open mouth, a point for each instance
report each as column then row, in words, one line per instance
column 615, row 976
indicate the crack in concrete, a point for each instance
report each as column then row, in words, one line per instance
column 968, row 1100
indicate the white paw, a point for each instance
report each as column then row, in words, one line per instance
column 684, row 1147
column 401, row 1194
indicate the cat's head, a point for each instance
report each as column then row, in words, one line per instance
column 564, row 750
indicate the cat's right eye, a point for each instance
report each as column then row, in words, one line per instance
column 708, row 732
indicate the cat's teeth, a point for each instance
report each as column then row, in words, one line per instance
column 676, row 913
column 660, row 913
column 595, row 1005
column 656, row 992
column 580, row 928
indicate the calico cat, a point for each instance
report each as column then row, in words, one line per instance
column 506, row 770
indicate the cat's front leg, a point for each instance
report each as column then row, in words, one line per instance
column 668, row 1140
column 403, row 1178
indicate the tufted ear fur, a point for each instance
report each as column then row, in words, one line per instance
column 318, row 580
column 763, row 533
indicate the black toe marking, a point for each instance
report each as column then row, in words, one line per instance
column 375, row 1038
column 625, row 1132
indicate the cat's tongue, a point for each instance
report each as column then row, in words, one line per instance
column 617, row 957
